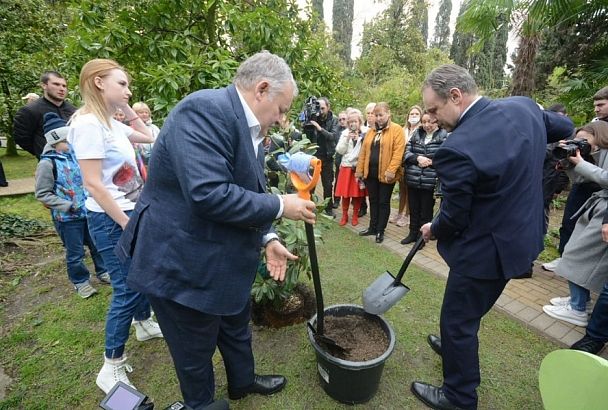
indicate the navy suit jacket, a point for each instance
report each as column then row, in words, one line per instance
column 196, row 232
column 491, row 220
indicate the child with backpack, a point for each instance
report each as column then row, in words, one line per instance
column 59, row 186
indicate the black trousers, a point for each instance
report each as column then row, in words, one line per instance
column 379, row 203
column 421, row 202
column 465, row 302
column 337, row 161
column 2, row 175
column 192, row 337
column 327, row 176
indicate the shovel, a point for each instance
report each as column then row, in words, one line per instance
column 304, row 188
column 387, row 290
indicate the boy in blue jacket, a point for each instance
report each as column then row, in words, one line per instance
column 59, row 186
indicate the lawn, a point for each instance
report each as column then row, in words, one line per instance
column 52, row 341
column 22, row 166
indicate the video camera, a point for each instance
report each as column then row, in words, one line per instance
column 568, row 149
column 311, row 111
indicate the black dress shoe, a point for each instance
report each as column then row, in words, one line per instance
column 336, row 204
column 367, row 232
column 587, row 344
column 379, row 237
column 265, row 385
column 329, row 211
column 362, row 212
column 4, row 184
column 411, row 238
column 435, row 343
column 432, row 396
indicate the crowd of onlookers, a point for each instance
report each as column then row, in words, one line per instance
column 93, row 163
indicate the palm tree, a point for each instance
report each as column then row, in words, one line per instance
column 529, row 18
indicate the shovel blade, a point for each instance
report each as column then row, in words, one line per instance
column 381, row 295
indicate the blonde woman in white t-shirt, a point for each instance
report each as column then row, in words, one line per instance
column 103, row 148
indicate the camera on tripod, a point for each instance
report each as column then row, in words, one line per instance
column 311, row 111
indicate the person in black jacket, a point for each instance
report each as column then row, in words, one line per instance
column 420, row 174
column 28, row 123
column 323, row 131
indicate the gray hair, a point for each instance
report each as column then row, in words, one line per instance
column 448, row 76
column 265, row 66
column 354, row 111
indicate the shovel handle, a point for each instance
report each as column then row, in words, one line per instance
column 408, row 259
column 303, row 187
column 316, row 278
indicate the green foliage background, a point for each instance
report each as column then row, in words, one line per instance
column 174, row 47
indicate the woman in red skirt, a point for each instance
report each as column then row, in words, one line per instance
column 348, row 186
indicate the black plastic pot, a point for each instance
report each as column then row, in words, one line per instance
column 344, row 380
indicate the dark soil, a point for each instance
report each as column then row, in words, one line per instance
column 362, row 338
column 299, row 307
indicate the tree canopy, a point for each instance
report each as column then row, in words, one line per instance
column 174, row 47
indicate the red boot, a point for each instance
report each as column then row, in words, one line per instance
column 356, row 207
column 344, row 219
column 345, row 205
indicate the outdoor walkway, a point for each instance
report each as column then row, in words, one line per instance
column 18, row 187
column 522, row 299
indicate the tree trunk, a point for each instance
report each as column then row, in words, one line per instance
column 11, row 147
column 523, row 74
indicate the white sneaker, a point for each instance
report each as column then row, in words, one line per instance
column 146, row 329
column 565, row 301
column 112, row 372
column 550, row 266
column 567, row 314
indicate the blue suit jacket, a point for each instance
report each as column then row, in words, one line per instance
column 196, row 233
column 491, row 220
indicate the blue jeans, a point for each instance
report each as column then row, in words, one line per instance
column 579, row 296
column 597, row 328
column 126, row 304
column 74, row 235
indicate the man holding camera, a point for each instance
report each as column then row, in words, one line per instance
column 322, row 130
column 490, row 225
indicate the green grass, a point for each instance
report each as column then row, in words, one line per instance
column 21, row 166
column 52, row 346
column 26, row 206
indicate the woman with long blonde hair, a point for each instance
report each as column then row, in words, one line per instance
column 103, row 148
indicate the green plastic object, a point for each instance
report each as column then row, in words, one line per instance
column 571, row 379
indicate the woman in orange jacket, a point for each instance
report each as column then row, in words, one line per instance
column 379, row 166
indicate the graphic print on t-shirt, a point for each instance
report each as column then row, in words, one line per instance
column 128, row 181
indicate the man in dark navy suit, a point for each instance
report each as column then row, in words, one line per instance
column 490, row 226
column 196, row 233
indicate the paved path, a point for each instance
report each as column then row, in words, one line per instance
column 18, row 187
column 522, row 299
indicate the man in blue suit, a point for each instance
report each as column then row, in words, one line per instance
column 490, row 226
column 196, row 233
